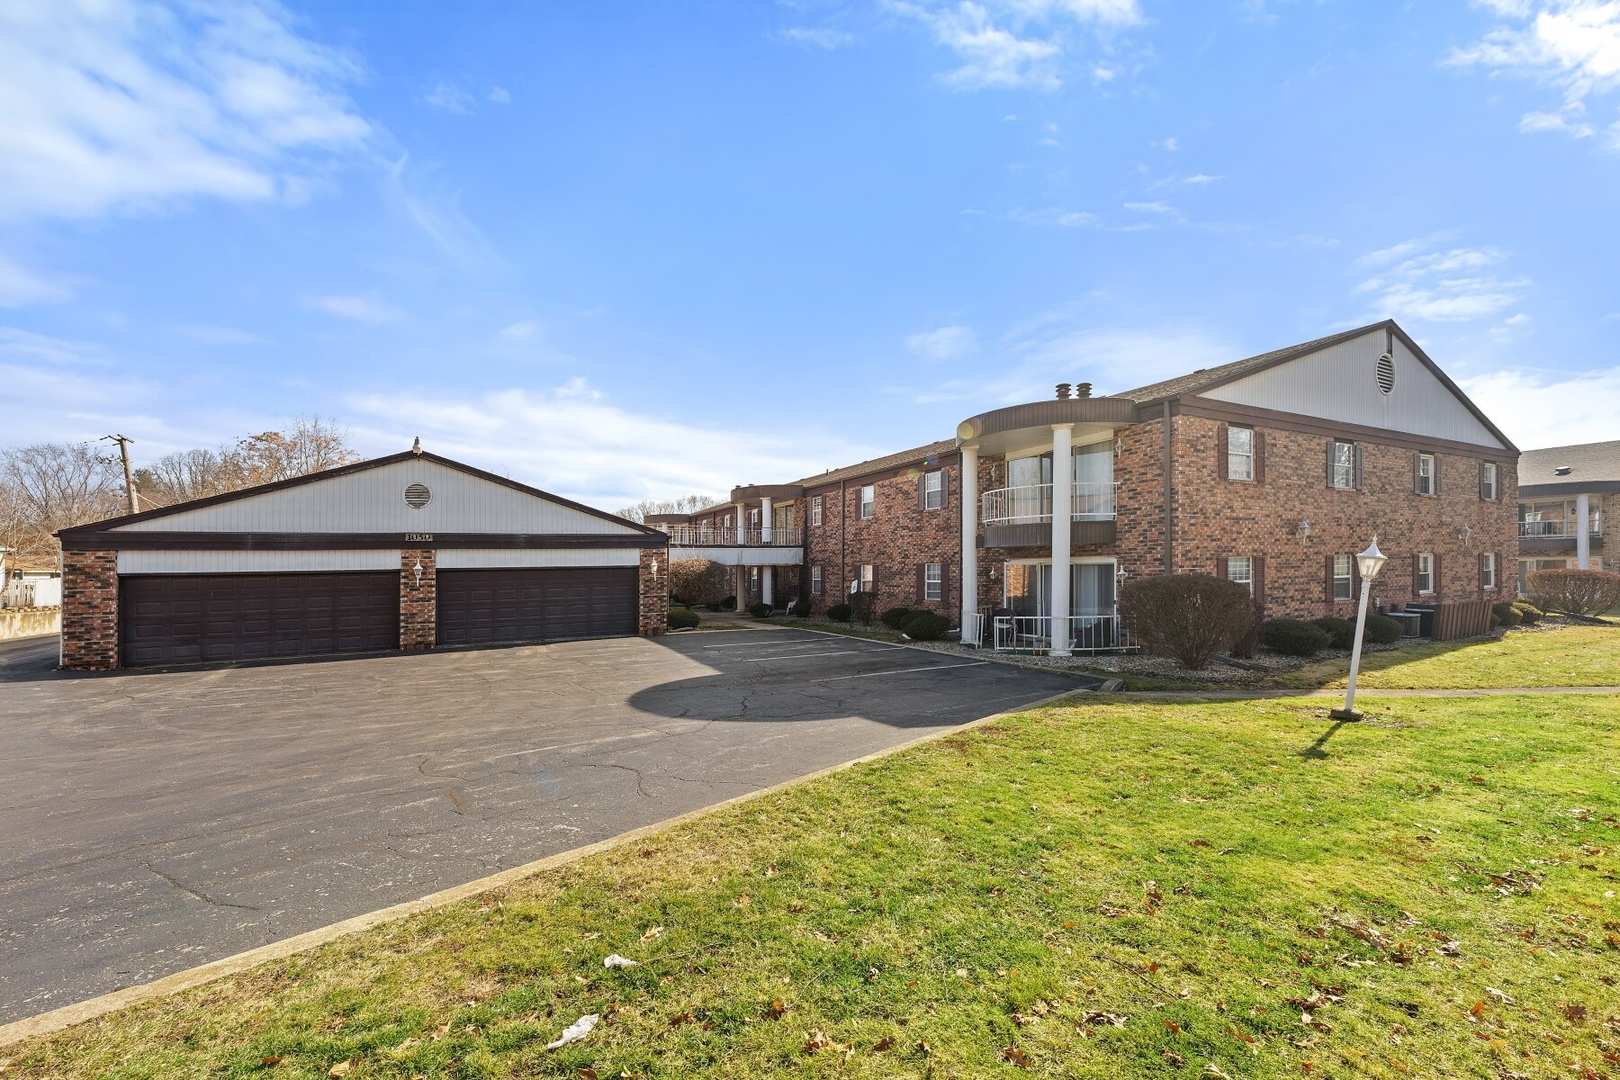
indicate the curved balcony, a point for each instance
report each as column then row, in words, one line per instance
column 1022, row 516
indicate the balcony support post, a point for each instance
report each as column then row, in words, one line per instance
column 1062, row 497
column 1583, row 532
column 742, row 588
column 765, row 530
column 970, row 538
column 765, row 596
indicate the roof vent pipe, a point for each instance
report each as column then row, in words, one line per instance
column 1063, row 391
column 1083, row 390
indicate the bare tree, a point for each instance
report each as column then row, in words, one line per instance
column 686, row 504
column 312, row 444
column 53, row 486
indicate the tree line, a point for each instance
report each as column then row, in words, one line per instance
column 52, row 486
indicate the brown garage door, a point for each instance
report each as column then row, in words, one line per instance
column 481, row 607
column 186, row 618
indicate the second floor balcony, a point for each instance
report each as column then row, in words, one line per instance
column 1032, row 505
column 1562, row 530
column 727, row 536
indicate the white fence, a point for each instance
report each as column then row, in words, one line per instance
column 1032, row 505
column 32, row 592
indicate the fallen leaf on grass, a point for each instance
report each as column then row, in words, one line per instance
column 742, row 901
column 588, row 1073
column 883, row 1045
column 1213, row 1069
column 1097, row 1016
column 1200, row 843
column 340, row 1069
column 795, row 905
column 1110, row 911
column 680, row 1018
column 1498, row 995
column 1172, row 1057
column 1016, row 1056
column 1478, row 1009
column 1574, row 1013
column 270, row 1059
column 575, row 1031
column 652, row 933
column 815, row 1040
column 776, row 1009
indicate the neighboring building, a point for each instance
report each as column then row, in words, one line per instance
column 410, row 551
column 1564, row 492
column 1272, row 471
column 28, row 582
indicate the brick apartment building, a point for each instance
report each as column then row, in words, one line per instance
column 1271, row 471
column 1564, row 494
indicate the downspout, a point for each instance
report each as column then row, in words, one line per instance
column 1169, row 497
column 843, row 516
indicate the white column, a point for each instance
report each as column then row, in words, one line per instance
column 765, row 586
column 742, row 587
column 1062, row 492
column 1583, row 532
column 765, row 521
column 970, row 529
column 742, row 524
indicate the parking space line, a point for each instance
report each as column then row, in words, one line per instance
column 902, row 671
column 804, row 656
column 756, row 644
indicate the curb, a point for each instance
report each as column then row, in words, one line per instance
column 68, row 1015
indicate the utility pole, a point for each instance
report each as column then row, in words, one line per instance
column 123, row 442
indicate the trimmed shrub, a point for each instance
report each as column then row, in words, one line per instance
column 1294, row 637
column 1574, row 592
column 1246, row 644
column 698, row 581
column 1341, row 632
column 1190, row 617
column 800, row 609
column 926, row 626
column 1506, row 614
column 759, row 611
column 683, row 619
column 839, row 612
column 1382, row 630
column 1529, row 614
column 727, row 603
column 895, row 618
column 864, row 607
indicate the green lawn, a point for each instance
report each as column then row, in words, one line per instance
column 1197, row 890
column 1571, row 656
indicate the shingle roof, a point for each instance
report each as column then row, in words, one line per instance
column 889, row 461
column 1597, row 462
column 1206, row 377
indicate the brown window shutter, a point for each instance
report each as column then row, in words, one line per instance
column 1415, row 593
column 945, row 489
column 922, row 491
column 1358, row 466
column 1259, row 580
column 922, row 583
column 1436, row 480
column 1220, row 454
column 1327, row 581
column 1259, row 456
column 1482, row 570
column 1355, row 578
column 1437, row 590
column 1482, row 479
column 1330, row 463
column 1220, row 567
column 1417, row 473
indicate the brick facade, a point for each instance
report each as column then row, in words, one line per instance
column 418, row 601
column 897, row 541
column 653, row 591
column 90, row 609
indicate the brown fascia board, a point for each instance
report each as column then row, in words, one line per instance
column 882, row 467
column 145, row 540
column 1285, row 356
column 332, row 474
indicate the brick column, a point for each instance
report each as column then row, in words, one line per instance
column 418, row 602
column 654, row 592
column 90, row 610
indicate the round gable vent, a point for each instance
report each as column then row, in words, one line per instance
column 1386, row 373
column 418, row 496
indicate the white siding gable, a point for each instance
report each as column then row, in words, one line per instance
column 373, row 501
column 1339, row 383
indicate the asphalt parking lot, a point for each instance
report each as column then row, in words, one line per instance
column 157, row 820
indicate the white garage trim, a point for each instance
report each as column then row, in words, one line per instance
column 480, row 558
column 254, row 562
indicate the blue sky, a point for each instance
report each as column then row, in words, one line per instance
column 642, row 249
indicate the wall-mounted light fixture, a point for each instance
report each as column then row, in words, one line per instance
column 418, row 570
column 655, row 569
column 1464, row 534
column 1303, row 531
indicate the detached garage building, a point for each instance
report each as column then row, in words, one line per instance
column 404, row 552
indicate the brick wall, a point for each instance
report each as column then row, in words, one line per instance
column 418, row 601
column 897, row 541
column 654, row 589
column 90, row 610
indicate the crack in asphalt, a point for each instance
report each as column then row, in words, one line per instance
column 198, row 893
column 640, row 789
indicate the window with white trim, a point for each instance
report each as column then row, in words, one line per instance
column 1344, row 465
column 868, row 578
column 1239, row 453
column 933, row 581
column 1425, row 474
column 1425, row 573
column 934, row 490
column 869, row 501
column 815, row 510
column 1343, row 583
column 1240, row 569
column 815, row 581
column 1487, row 481
column 1487, row 570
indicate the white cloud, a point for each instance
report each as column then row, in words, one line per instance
column 574, row 442
column 22, row 287
column 448, row 97
column 1015, row 43
column 1541, row 409
column 130, row 104
column 217, row 335
column 500, row 95
column 366, row 309
column 1150, row 207
column 819, row 37
column 519, row 331
column 438, row 214
column 1572, row 45
column 945, row 343
column 1413, row 281
column 1054, row 218
column 1200, row 179
column 1169, row 144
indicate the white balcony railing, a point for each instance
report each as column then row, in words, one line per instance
column 1033, row 633
column 712, row 536
column 1565, row 530
column 1032, row 505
